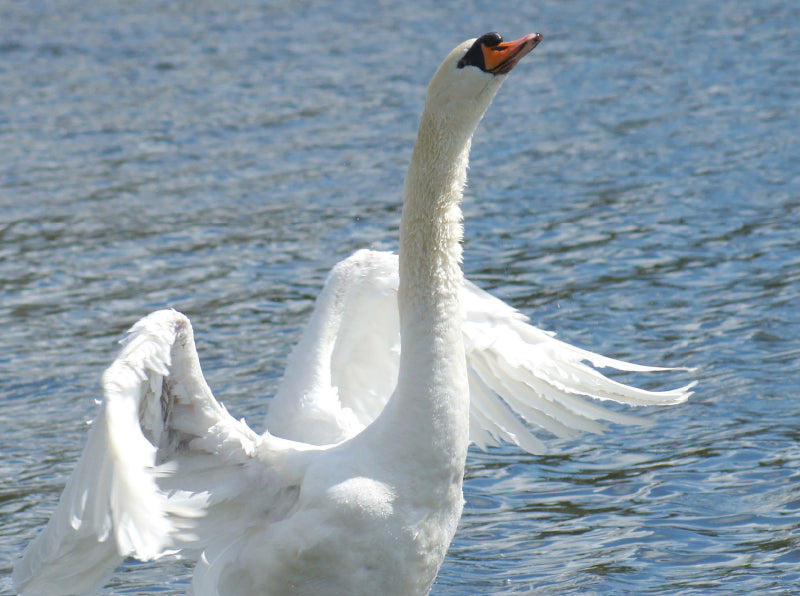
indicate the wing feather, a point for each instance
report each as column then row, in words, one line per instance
column 156, row 406
column 521, row 377
column 167, row 468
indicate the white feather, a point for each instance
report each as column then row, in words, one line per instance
column 521, row 377
column 373, row 510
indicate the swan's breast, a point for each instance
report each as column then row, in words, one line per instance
column 363, row 499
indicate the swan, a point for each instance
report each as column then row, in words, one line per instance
column 356, row 486
column 521, row 378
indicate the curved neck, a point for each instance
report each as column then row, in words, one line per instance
column 427, row 417
column 431, row 230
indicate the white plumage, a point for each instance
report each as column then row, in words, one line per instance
column 520, row 377
column 356, row 486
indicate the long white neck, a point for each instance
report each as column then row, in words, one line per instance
column 427, row 418
column 432, row 379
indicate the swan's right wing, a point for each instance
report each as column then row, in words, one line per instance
column 111, row 506
column 521, row 378
column 165, row 469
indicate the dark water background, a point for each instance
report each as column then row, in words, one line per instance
column 634, row 187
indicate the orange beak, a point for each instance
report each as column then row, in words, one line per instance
column 500, row 59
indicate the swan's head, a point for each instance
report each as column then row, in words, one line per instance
column 468, row 79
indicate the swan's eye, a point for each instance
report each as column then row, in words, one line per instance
column 491, row 39
column 474, row 56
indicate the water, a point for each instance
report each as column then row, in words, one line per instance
column 634, row 187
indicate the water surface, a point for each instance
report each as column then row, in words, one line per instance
column 634, row 188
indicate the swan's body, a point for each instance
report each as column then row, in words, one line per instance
column 369, row 501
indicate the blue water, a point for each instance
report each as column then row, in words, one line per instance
column 634, row 187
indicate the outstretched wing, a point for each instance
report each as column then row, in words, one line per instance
column 344, row 368
column 521, row 378
column 157, row 417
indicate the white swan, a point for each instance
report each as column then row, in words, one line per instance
column 167, row 469
column 345, row 366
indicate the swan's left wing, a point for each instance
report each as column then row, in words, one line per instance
column 344, row 368
column 521, row 378
column 161, row 453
